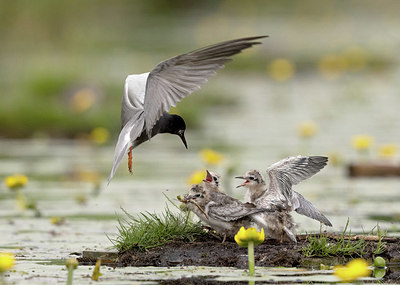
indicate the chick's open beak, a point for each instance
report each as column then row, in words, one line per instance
column 208, row 177
column 244, row 183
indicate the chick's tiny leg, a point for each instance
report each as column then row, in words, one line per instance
column 224, row 239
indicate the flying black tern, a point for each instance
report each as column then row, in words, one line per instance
column 148, row 96
column 282, row 176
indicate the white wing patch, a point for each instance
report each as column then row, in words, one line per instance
column 133, row 97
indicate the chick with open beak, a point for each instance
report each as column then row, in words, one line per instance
column 226, row 215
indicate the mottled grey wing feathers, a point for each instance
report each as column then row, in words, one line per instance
column 172, row 80
column 291, row 171
column 304, row 207
column 232, row 212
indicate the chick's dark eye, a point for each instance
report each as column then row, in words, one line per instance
column 215, row 178
column 251, row 178
column 197, row 195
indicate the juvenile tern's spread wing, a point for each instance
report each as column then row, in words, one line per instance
column 172, row 80
column 304, row 207
column 291, row 171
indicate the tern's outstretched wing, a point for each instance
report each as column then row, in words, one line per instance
column 291, row 171
column 172, row 80
column 132, row 130
column 304, row 207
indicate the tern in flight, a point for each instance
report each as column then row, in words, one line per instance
column 148, row 97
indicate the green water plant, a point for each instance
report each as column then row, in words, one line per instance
column 380, row 248
column 96, row 271
column 319, row 245
column 149, row 230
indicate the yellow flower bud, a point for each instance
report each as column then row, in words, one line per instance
column 72, row 263
column 243, row 236
column 211, row 157
column 307, row 129
column 353, row 270
column 100, row 135
column 281, row 69
column 388, row 150
column 16, row 181
column 7, row 261
column 362, row 142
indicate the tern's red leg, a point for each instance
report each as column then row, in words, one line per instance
column 130, row 159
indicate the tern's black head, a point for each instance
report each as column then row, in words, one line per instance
column 176, row 126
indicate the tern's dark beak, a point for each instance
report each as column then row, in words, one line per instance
column 240, row 177
column 181, row 134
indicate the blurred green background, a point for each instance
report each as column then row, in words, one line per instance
column 63, row 63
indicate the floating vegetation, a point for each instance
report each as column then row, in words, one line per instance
column 148, row 230
column 320, row 246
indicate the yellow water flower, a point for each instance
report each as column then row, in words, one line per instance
column 57, row 221
column 83, row 99
column 332, row 66
column 211, row 157
column 362, row 142
column 16, row 181
column 249, row 238
column 307, row 129
column 353, row 270
column 196, row 177
column 99, row 135
column 356, row 58
column 388, row 150
column 243, row 236
column 281, row 69
column 7, row 261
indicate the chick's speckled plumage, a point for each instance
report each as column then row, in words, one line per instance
column 226, row 215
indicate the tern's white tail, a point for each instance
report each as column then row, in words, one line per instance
column 129, row 133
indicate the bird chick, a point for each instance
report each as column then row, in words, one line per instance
column 280, row 195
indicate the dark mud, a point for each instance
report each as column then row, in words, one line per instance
column 209, row 251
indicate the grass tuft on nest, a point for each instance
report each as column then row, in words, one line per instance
column 149, row 230
column 321, row 246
